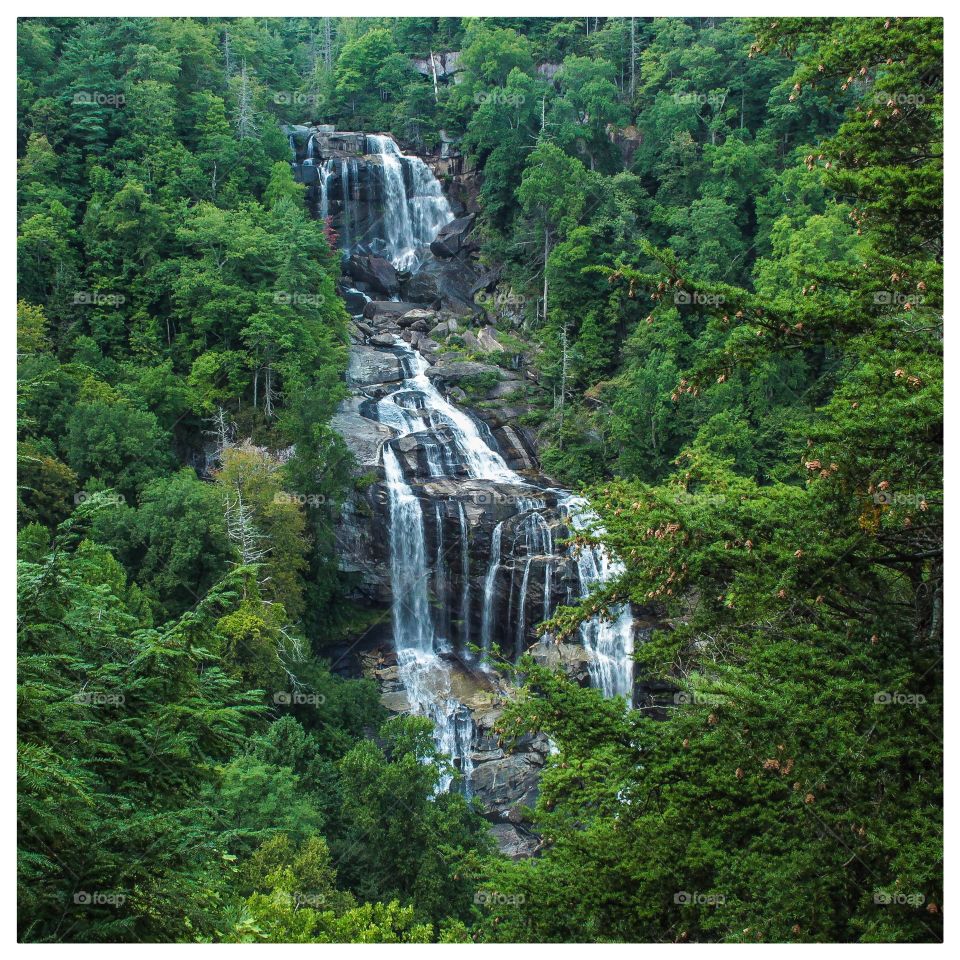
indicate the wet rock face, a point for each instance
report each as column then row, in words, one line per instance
column 453, row 237
column 504, row 781
column 488, row 555
column 370, row 366
column 377, row 273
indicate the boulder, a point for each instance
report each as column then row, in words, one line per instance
column 502, row 785
column 445, row 281
column 515, row 842
column 412, row 317
column 362, row 436
column 377, row 273
column 355, row 301
column 451, row 238
column 369, row 365
column 445, row 327
column 454, row 371
column 488, row 341
column 571, row 658
column 377, row 309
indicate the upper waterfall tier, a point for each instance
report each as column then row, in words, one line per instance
column 381, row 201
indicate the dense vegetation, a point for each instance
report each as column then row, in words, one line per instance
column 725, row 237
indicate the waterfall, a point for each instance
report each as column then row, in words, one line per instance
column 325, row 172
column 610, row 641
column 486, row 624
column 347, row 243
column 425, row 677
column 396, row 210
column 451, row 446
column 411, row 217
column 521, row 618
column 480, row 461
column 411, row 604
column 465, row 578
column 440, row 577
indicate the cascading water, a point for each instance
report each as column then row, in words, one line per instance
column 325, row 171
column 464, row 577
column 425, row 677
column 609, row 639
column 486, row 625
column 408, row 562
column 411, row 216
column 435, row 611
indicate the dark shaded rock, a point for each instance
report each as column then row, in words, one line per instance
column 355, row 301
column 487, row 281
column 502, row 785
column 515, row 449
column 413, row 317
column 378, row 273
column 514, row 842
column 452, row 238
column 358, row 556
column 446, row 281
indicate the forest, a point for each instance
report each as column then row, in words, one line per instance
column 663, row 506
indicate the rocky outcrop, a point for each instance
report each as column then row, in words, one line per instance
column 378, row 274
column 452, row 239
column 444, row 282
column 369, row 366
column 380, row 309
